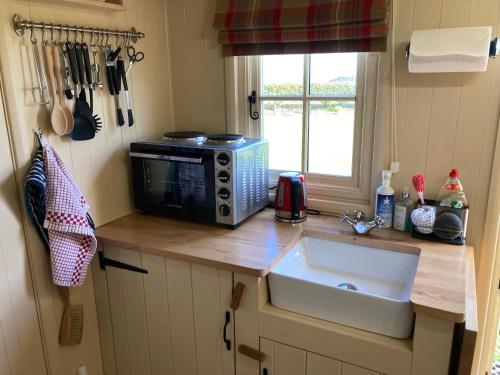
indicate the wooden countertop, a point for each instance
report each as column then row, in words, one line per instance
column 260, row 242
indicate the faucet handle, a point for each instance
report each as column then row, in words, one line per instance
column 344, row 216
column 359, row 215
column 379, row 221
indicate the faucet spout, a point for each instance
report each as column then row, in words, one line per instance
column 359, row 222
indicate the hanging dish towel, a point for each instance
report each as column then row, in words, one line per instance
column 34, row 195
column 71, row 236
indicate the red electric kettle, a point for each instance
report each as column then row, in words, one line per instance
column 290, row 201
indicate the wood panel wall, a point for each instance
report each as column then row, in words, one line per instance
column 198, row 82
column 100, row 166
column 21, row 351
column 443, row 120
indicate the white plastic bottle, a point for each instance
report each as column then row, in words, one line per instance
column 384, row 203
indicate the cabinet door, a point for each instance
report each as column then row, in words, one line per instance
column 321, row 365
column 348, row 369
column 169, row 321
column 282, row 359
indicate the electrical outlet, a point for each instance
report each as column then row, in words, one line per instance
column 394, row 167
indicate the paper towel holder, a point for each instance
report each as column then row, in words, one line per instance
column 494, row 49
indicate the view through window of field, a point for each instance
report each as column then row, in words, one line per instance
column 310, row 97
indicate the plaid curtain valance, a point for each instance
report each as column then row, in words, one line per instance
column 267, row 27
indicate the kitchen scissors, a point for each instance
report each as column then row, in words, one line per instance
column 133, row 57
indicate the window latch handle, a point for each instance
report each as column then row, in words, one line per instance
column 251, row 100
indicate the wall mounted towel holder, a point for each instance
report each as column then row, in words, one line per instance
column 494, row 49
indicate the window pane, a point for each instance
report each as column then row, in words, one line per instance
column 282, row 75
column 331, row 137
column 333, row 74
column 283, row 128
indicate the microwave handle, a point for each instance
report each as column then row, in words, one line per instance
column 166, row 157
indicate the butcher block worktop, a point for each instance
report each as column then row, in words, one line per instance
column 260, row 242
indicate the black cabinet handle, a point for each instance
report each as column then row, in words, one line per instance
column 264, row 371
column 106, row 262
column 226, row 340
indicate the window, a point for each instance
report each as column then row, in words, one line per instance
column 318, row 113
column 308, row 111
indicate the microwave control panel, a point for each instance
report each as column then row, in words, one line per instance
column 224, row 187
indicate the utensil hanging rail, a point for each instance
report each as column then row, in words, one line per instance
column 21, row 24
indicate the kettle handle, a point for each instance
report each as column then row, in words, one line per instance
column 296, row 198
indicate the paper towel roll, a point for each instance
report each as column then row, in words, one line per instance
column 450, row 50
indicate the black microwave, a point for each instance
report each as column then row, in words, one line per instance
column 217, row 182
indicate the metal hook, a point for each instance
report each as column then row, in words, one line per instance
column 51, row 26
column 44, row 26
column 39, row 136
column 92, row 38
column 67, row 33
column 60, row 35
column 32, row 35
column 82, row 30
column 117, row 40
column 76, row 33
column 107, row 39
column 127, row 39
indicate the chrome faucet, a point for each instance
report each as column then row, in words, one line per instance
column 359, row 222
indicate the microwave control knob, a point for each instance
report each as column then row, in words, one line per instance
column 224, row 210
column 223, row 159
column 223, row 176
column 223, row 193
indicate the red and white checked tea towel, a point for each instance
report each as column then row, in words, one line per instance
column 71, row 238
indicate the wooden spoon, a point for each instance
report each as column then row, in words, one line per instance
column 58, row 116
column 60, row 91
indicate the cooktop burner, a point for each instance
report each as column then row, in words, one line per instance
column 192, row 136
column 225, row 138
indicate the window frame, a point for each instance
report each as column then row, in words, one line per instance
column 326, row 193
column 306, row 98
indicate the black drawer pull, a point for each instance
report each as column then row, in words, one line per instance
column 226, row 340
column 106, row 262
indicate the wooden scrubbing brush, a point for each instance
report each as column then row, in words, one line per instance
column 71, row 329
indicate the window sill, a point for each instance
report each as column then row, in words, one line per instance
column 332, row 205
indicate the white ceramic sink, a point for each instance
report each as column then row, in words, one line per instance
column 307, row 281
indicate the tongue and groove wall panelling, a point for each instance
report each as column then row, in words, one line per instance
column 478, row 125
column 197, row 65
column 100, row 166
column 443, row 120
column 21, row 351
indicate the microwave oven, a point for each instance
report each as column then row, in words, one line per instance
column 217, row 181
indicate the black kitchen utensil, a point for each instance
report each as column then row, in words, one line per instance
column 113, row 81
column 84, row 124
column 120, row 65
column 89, row 75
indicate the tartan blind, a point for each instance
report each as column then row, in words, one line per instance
column 266, row 27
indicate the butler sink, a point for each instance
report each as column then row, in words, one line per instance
column 354, row 285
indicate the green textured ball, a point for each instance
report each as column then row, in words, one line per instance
column 448, row 226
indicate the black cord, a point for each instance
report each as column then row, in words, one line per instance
column 311, row 212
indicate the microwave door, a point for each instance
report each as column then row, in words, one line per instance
column 177, row 185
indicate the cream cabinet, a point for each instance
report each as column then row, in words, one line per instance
column 281, row 359
column 170, row 321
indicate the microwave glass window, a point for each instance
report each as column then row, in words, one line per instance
column 182, row 184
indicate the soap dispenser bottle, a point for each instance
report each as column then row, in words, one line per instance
column 384, row 203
